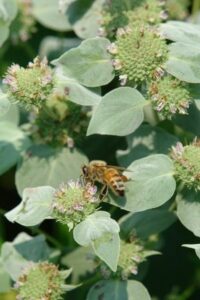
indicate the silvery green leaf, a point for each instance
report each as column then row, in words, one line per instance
column 119, row 113
column 36, row 205
column 90, row 63
column 101, row 232
column 118, row 290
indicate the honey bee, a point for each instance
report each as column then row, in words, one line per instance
column 109, row 176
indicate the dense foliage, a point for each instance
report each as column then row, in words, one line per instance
column 117, row 81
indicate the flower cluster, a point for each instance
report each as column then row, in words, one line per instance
column 187, row 164
column 114, row 15
column 60, row 122
column 41, row 281
column 118, row 14
column 169, row 96
column 150, row 12
column 24, row 25
column 138, row 54
column 29, row 86
column 73, row 202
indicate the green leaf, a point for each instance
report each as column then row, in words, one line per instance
column 101, row 232
column 78, row 93
column 183, row 62
column 53, row 46
column 144, row 141
column 188, row 210
column 34, row 208
column 8, row 12
column 47, row 13
column 36, row 249
column 80, row 261
column 4, row 103
column 119, row 113
column 18, row 254
column 4, row 32
column 88, row 25
column 44, row 165
column 90, row 63
column 13, row 262
column 178, row 31
column 12, row 115
column 151, row 183
column 118, row 290
column 12, row 143
column 5, row 285
column 146, row 223
column 196, row 248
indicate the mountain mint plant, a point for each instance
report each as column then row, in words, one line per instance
column 99, row 138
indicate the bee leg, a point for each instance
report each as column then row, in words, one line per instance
column 103, row 192
column 82, row 180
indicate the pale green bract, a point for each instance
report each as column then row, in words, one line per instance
column 47, row 13
column 119, row 113
column 153, row 175
column 188, row 210
column 101, row 232
column 90, row 63
column 13, row 142
column 52, row 166
column 8, row 12
column 36, row 206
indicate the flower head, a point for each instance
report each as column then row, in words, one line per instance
column 41, row 281
column 138, row 54
column 73, row 202
column 169, row 96
column 187, row 164
column 29, row 86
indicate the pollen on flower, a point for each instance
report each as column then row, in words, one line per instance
column 73, row 202
column 40, row 281
column 169, row 96
column 29, row 86
column 186, row 163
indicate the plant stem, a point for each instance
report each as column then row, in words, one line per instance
column 2, row 211
column 195, row 7
column 49, row 238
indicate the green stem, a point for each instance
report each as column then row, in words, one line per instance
column 29, row 50
column 92, row 280
column 49, row 238
column 195, row 7
column 2, row 211
column 173, row 206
